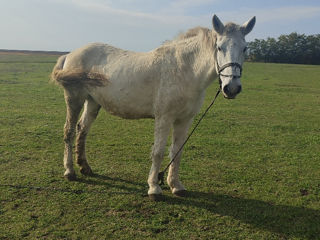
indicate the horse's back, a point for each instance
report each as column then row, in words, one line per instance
column 92, row 55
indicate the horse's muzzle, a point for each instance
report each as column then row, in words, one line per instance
column 231, row 92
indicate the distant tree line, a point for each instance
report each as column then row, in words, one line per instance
column 292, row 48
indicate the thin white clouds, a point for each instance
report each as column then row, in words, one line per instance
column 105, row 7
column 181, row 6
column 167, row 18
column 192, row 3
column 171, row 13
column 174, row 12
column 272, row 22
column 293, row 13
column 165, row 7
column 137, row 24
column 269, row 15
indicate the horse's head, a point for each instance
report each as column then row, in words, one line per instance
column 230, row 53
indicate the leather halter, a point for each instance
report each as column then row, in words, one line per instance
column 232, row 64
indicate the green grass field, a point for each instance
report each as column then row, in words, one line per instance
column 252, row 167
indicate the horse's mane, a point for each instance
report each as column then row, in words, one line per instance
column 208, row 37
column 192, row 33
column 205, row 36
column 206, row 33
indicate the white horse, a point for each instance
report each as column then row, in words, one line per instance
column 167, row 84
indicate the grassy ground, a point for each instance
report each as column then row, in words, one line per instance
column 252, row 168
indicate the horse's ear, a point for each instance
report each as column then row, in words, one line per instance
column 217, row 24
column 248, row 26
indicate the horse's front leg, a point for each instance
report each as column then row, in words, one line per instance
column 161, row 133
column 179, row 135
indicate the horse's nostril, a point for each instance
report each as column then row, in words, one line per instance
column 226, row 90
column 239, row 89
column 231, row 92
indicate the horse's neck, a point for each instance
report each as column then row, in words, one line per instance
column 200, row 57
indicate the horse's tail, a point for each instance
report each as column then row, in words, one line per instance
column 76, row 76
column 56, row 75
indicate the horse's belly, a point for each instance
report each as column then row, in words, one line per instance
column 130, row 111
column 126, row 104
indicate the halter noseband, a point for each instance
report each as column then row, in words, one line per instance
column 232, row 64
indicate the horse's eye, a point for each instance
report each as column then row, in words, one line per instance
column 219, row 49
column 245, row 49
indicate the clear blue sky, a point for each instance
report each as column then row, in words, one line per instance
column 141, row 25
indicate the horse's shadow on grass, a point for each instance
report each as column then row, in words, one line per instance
column 120, row 185
column 286, row 221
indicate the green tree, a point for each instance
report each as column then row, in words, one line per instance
column 292, row 48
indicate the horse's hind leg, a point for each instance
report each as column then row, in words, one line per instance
column 90, row 112
column 74, row 103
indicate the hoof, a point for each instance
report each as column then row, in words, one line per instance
column 181, row 193
column 156, row 197
column 86, row 171
column 71, row 177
